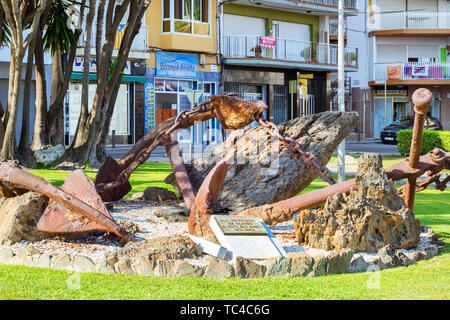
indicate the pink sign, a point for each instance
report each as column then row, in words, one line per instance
column 267, row 42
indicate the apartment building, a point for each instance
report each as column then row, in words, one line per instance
column 183, row 68
column 406, row 45
column 280, row 52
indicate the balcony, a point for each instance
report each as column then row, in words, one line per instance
column 349, row 4
column 287, row 54
column 307, row 6
column 334, row 29
column 139, row 48
column 411, row 22
column 419, row 72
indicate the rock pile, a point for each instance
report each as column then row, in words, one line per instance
column 366, row 220
column 19, row 216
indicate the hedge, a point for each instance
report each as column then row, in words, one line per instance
column 431, row 139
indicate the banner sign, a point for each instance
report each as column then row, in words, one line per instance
column 149, row 101
column 394, row 72
column 422, row 71
column 267, row 42
column 169, row 64
column 78, row 66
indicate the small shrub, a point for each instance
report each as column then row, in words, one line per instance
column 431, row 139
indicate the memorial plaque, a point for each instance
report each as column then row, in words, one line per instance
column 241, row 226
column 248, row 237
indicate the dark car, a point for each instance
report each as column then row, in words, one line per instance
column 389, row 133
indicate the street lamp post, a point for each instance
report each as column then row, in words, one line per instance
column 341, row 93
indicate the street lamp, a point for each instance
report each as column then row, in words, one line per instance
column 341, row 93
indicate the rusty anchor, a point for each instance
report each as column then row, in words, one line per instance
column 74, row 208
column 233, row 113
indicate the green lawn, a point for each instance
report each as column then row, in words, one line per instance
column 425, row 280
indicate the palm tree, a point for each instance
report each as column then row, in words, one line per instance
column 61, row 41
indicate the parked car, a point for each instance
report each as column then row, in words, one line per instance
column 389, row 133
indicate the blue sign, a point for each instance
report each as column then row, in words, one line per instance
column 169, row 64
column 149, row 100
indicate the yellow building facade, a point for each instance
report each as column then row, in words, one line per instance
column 182, row 39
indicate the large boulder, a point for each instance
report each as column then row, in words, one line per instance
column 368, row 219
column 161, row 248
column 158, row 194
column 263, row 170
column 19, row 217
column 50, row 155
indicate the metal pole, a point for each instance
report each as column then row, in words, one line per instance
column 385, row 103
column 364, row 115
column 341, row 93
column 422, row 99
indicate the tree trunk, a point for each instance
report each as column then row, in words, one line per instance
column 8, row 151
column 101, row 145
column 25, row 154
column 88, row 136
column 78, row 151
column 55, row 116
column 98, row 154
column 40, row 137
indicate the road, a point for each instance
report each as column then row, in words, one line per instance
column 372, row 145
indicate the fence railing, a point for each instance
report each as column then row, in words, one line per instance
column 352, row 4
column 307, row 104
column 411, row 20
column 334, row 26
column 412, row 71
column 287, row 50
column 140, row 42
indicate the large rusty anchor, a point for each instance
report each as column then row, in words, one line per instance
column 233, row 113
column 73, row 208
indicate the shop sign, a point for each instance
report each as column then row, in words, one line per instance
column 422, row 71
column 169, row 64
column 394, row 72
column 79, row 62
column 267, row 42
column 164, row 114
column 149, row 100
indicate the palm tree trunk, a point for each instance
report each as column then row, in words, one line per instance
column 40, row 137
column 78, row 151
column 25, row 154
column 8, row 151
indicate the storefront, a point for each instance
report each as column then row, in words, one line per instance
column 288, row 93
column 124, row 115
column 394, row 102
column 167, row 94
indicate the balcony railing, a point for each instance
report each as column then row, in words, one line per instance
column 412, row 71
column 140, row 42
column 334, row 27
column 351, row 4
column 411, row 20
column 288, row 50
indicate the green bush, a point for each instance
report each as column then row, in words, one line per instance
column 431, row 139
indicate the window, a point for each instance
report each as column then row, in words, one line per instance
column 187, row 17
